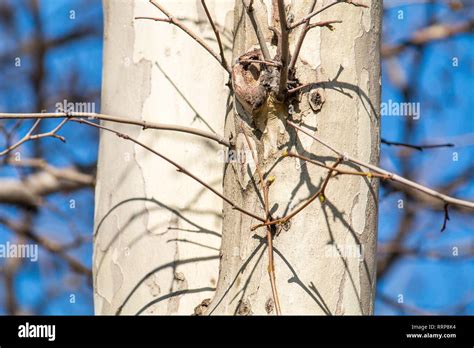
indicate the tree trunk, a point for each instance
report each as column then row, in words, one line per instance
column 317, row 267
column 157, row 232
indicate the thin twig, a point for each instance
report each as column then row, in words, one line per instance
column 65, row 174
column 446, row 217
column 392, row 176
column 319, row 193
column 336, row 170
column 314, row 13
column 416, row 147
column 144, row 124
column 299, row 43
column 271, row 271
column 266, row 62
column 258, row 30
column 218, row 36
column 173, row 20
column 259, row 172
column 305, row 30
column 299, row 88
column 30, row 136
column 265, row 188
column 285, row 51
column 179, row 167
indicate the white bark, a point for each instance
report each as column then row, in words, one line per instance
column 157, row 232
column 310, row 280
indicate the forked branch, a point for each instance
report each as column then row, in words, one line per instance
column 319, row 193
column 30, row 136
column 316, row 12
column 306, row 29
column 391, row 176
column 300, row 41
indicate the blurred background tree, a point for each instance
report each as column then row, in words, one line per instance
column 51, row 51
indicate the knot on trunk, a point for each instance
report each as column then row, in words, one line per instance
column 247, row 81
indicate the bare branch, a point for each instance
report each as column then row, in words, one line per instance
column 337, row 171
column 316, row 12
column 30, row 136
column 299, row 88
column 23, row 230
column 392, row 176
column 299, row 43
column 258, row 30
column 266, row 62
column 305, row 30
column 416, row 147
column 144, row 124
column 265, row 188
column 218, row 36
column 285, row 51
column 179, row 167
column 431, row 202
column 319, row 193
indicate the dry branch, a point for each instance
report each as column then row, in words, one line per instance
column 266, row 205
column 144, row 124
column 179, row 167
column 258, row 29
column 316, row 12
column 319, row 193
column 30, row 136
column 285, row 50
column 392, row 176
column 218, row 36
column 305, row 30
